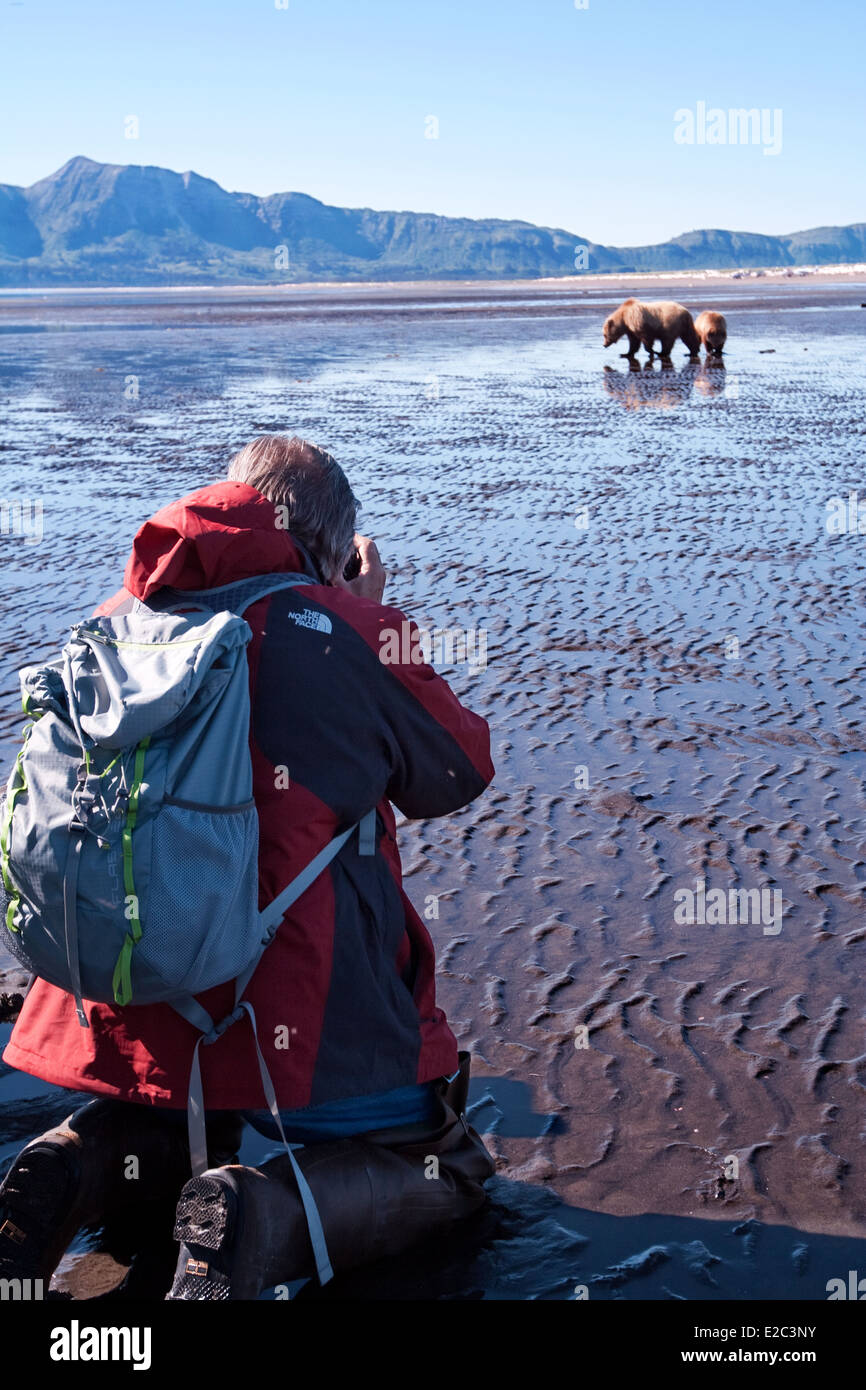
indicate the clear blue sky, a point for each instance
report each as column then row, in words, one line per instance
column 546, row 112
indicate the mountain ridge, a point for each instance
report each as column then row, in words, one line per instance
column 110, row 224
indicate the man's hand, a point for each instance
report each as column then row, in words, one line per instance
column 370, row 582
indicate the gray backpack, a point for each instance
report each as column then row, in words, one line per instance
column 129, row 835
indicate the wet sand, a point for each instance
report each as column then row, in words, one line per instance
column 696, row 650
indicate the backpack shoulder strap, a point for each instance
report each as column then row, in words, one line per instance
column 273, row 914
column 232, row 598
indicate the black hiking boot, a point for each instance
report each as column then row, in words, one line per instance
column 107, row 1155
column 239, row 1231
column 242, row 1230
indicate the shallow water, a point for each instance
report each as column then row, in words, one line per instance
column 696, row 649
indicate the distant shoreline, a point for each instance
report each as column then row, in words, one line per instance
column 611, row 280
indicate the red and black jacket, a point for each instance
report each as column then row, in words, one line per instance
column 349, row 980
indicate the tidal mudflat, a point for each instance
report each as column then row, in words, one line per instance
column 669, row 1067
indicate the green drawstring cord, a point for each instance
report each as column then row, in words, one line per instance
column 121, row 982
column 105, row 770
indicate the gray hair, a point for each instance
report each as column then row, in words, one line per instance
column 310, row 484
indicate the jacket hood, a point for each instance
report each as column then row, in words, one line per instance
column 217, row 535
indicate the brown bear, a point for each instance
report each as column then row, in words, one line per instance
column 644, row 323
column 712, row 331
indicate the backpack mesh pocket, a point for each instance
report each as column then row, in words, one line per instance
column 199, row 916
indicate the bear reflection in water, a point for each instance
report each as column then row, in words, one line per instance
column 665, row 387
column 710, row 377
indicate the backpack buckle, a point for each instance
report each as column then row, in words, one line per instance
column 224, row 1023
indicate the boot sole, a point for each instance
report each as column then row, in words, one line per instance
column 37, row 1195
column 205, row 1227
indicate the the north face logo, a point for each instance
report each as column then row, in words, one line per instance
column 320, row 622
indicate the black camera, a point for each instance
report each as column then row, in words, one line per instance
column 353, row 568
